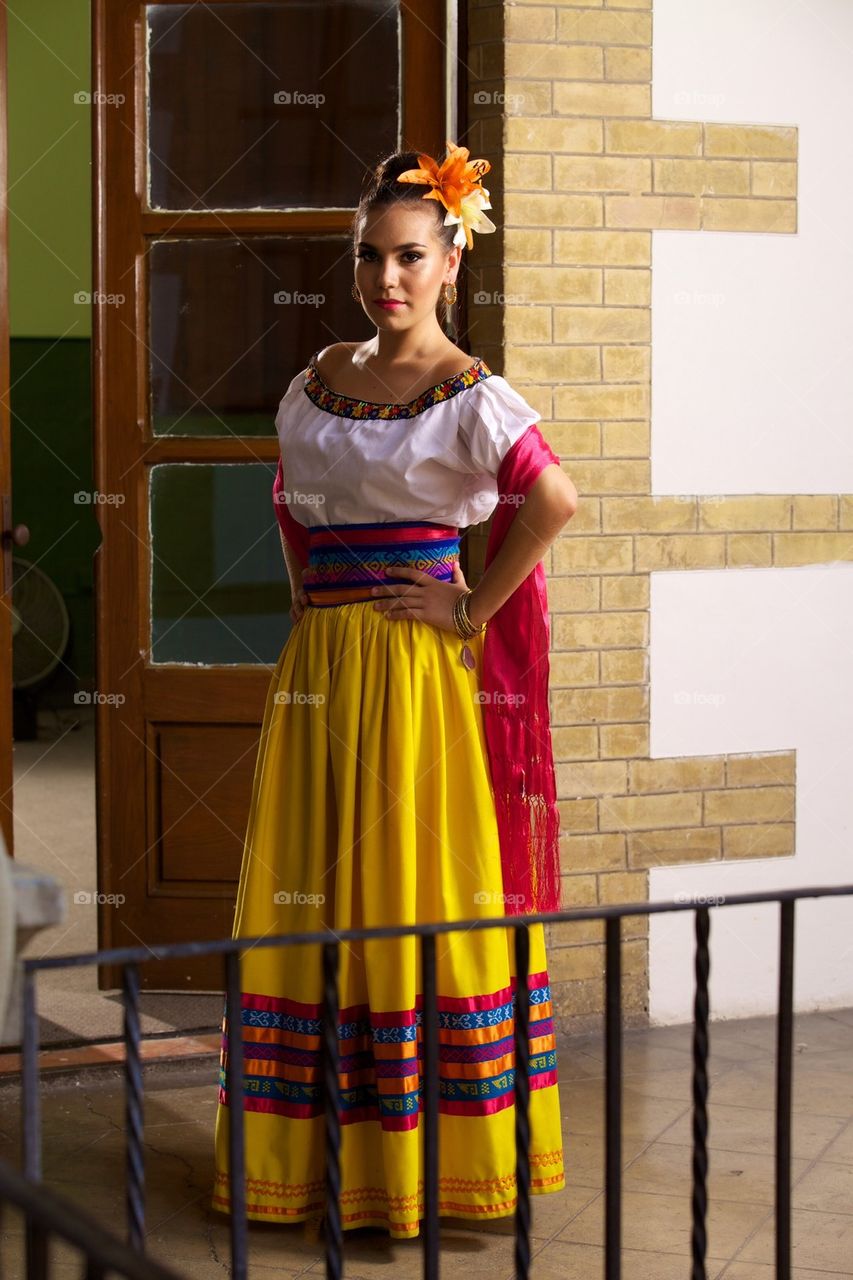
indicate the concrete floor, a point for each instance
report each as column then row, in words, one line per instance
column 54, row 808
column 83, row 1159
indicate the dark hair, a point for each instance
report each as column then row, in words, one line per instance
column 381, row 187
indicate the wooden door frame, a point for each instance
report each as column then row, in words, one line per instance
column 6, row 717
column 123, row 447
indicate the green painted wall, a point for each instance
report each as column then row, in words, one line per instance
column 50, row 265
column 50, row 166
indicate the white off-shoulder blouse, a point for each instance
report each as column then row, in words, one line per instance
column 347, row 461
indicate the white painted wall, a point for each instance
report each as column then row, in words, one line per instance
column 752, row 392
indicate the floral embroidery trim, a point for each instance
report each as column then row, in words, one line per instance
column 372, row 1214
column 270, row 1188
column 349, row 407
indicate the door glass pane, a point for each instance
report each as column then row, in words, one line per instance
column 219, row 586
column 273, row 105
column 231, row 322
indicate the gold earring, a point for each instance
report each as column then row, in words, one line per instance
column 355, row 293
column 448, row 292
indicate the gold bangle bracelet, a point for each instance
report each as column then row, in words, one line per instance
column 472, row 628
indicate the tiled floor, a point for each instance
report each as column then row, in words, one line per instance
column 60, row 838
column 83, row 1146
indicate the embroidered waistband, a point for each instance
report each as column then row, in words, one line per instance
column 346, row 560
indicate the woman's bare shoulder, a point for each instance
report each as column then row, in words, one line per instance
column 329, row 359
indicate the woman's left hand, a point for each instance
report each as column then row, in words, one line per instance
column 423, row 597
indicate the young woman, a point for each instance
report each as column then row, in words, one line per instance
column 405, row 772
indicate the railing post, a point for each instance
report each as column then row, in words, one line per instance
column 784, row 1046
column 133, row 1101
column 699, row 1199
column 236, row 1147
column 613, row 1098
column 331, row 1082
column 522, row 1101
column 36, row 1243
column 429, row 1032
column 30, row 1079
column 36, row 1249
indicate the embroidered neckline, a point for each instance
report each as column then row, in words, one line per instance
column 350, row 407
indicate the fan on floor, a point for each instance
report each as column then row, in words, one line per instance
column 40, row 629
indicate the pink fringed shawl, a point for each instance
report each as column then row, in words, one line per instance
column 515, row 710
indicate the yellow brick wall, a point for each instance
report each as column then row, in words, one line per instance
column 559, row 302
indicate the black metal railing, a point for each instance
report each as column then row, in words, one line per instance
column 131, row 957
column 49, row 1217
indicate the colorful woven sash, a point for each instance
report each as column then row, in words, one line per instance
column 346, row 560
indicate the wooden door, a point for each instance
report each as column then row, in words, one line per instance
column 230, row 142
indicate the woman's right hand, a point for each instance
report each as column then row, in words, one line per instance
column 299, row 605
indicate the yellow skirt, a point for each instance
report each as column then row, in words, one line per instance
column 372, row 805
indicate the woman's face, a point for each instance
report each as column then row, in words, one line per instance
column 399, row 256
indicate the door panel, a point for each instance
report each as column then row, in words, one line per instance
column 197, row 773
column 216, row 574
column 270, row 105
column 209, row 378
column 251, row 129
